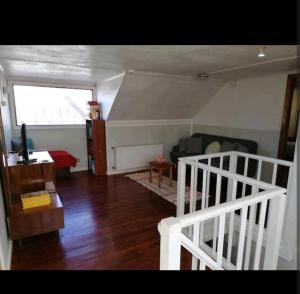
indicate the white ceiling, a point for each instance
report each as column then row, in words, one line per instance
column 92, row 64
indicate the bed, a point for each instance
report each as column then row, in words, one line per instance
column 63, row 161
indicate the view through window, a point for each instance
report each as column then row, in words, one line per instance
column 37, row 105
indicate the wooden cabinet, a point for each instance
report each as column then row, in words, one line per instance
column 37, row 220
column 28, row 178
column 96, row 146
column 31, row 177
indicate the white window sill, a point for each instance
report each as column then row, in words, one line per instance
column 54, row 127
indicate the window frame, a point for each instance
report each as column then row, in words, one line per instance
column 13, row 111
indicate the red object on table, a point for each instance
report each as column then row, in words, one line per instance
column 63, row 159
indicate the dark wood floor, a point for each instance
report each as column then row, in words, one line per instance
column 110, row 223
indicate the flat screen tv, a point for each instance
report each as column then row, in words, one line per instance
column 25, row 151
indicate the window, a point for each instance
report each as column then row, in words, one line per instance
column 44, row 106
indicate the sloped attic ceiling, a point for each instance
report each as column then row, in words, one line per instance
column 148, row 97
column 107, row 92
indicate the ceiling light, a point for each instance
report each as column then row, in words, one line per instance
column 262, row 52
column 203, row 76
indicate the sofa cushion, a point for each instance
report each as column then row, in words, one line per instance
column 228, row 146
column 182, row 144
column 207, row 139
column 242, row 148
column 194, row 146
column 210, row 138
column 213, row 147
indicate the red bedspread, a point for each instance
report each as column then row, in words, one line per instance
column 63, row 159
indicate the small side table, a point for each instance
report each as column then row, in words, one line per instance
column 154, row 165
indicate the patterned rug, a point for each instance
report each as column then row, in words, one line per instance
column 166, row 192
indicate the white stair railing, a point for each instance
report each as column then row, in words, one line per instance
column 204, row 162
column 239, row 228
column 174, row 236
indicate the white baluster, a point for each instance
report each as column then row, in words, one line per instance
column 274, row 175
column 196, row 234
column 192, row 189
column 221, row 238
column 196, row 230
column 195, row 188
column 231, row 224
column 202, row 265
column 249, row 235
column 259, row 169
column 245, row 174
column 181, row 188
column 192, row 195
column 217, row 202
column 242, row 238
column 232, row 169
column 204, row 186
column 262, row 215
column 203, row 202
column 208, row 184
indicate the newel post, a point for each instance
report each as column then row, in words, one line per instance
column 232, row 169
column 274, row 229
column 181, row 188
column 170, row 245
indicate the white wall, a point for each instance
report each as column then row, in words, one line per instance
column 126, row 133
column 250, row 108
column 72, row 140
column 5, row 243
column 251, row 103
column 5, row 111
column 150, row 109
column 107, row 92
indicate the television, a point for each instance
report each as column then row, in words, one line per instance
column 25, row 151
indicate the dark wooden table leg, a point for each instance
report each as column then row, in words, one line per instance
column 159, row 177
column 20, row 243
column 170, row 175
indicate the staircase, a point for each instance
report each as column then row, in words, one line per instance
column 241, row 233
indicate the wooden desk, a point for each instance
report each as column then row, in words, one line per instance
column 28, row 178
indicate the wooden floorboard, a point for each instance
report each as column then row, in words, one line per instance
column 110, row 223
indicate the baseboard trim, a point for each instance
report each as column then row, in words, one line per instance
column 76, row 169
column 124, row 171
column 138, row 123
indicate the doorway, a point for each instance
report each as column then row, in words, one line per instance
column 289, row 125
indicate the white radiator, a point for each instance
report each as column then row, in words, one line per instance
column 138, row 156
